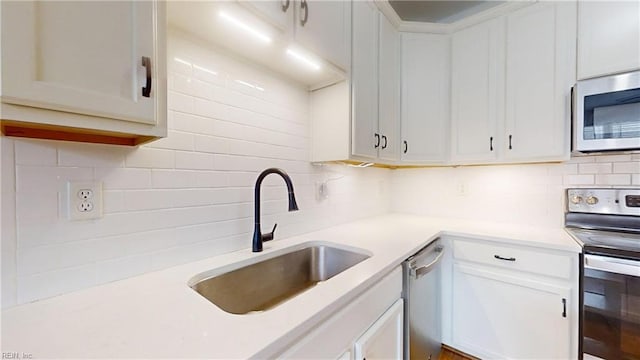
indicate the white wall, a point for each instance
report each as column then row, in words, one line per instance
column 186, row 197
column 519, row 194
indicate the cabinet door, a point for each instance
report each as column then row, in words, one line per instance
column 540, row 72
column 384, row 339
column 477, row 93
column 425, row 97
column 323, row 27
column 608, row 37
column 364, row 80
column 498, row 315
column 278, row 12
column 389, row 90
column 80, row 57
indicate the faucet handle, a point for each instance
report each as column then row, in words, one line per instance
column 269, row 236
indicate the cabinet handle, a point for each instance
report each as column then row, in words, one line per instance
column 504, row 258
column 384, row 138
column 377, row 136
column 285, row 5
column 491, row 143
column 510, row 147
column 564, row 308
column 406, row 146
column 304, row 7
column 146, row 90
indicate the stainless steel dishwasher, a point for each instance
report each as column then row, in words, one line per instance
column 422, row 294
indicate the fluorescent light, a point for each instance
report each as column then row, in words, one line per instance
column 239, row 24
column 303, row 59
column 182, row 61
column 205, row 69
column 250, row 85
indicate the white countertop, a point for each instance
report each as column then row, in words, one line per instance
column 158, row 315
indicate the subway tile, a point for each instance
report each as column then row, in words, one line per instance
column 91, row 155
column 176, row 140
column 613, row 179
column 144, row 157
column 168, row 179
column 579, row 180
column 37, row 205
column 582, row 159
column 49, row 179
column 179, row 102
column 113, row 201
column 596, row 168
column 613, row 158
column 194, row 160
column 36, row 152
column 635, row 179
column 7, row 165
column 52, row 283
column 627, row 167
column 138, row 200
column 123, row 178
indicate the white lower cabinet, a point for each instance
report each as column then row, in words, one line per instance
column 370, row 324
column 383, row 340
column 504, row 308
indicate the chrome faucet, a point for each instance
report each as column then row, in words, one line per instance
column 258, row 236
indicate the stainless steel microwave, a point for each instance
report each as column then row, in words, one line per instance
column 606, row 113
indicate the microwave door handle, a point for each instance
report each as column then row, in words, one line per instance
column 629, row 267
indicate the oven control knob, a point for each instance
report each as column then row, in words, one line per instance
column 592, row 200
column 576, row 199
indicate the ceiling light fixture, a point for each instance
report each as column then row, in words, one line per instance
column 303, row 59
column 248, row 29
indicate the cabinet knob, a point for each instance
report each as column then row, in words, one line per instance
column 304, row 8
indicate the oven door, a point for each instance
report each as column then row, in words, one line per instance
column 611, row 308
column 607, row 113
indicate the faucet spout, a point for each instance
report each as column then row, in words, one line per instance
column 258, row 236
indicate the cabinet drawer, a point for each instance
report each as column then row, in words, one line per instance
column 538, row 261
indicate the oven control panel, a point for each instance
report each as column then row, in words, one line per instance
column 604, row 201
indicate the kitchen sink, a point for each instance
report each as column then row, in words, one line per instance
column 265, row 284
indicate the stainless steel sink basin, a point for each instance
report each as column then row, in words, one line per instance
column 265, row 284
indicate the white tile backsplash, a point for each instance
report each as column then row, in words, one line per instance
column 179, row 199
column 519, row 194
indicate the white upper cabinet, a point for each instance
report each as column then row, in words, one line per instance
column 425, row 97
column 323, row 27
column 477, row 73
column 104, row 59
column 278, row 13
column 540, row 72
column 608, row 37
column 389, row 90
column 319, row 26
column 364, row 80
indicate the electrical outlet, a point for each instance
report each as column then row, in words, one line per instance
column 322, row 191
column 84, row 200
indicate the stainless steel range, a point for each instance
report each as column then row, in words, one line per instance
column 607, row 222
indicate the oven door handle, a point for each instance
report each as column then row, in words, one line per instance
column 614, row 265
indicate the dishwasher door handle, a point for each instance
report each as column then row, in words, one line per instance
column 425, row 269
